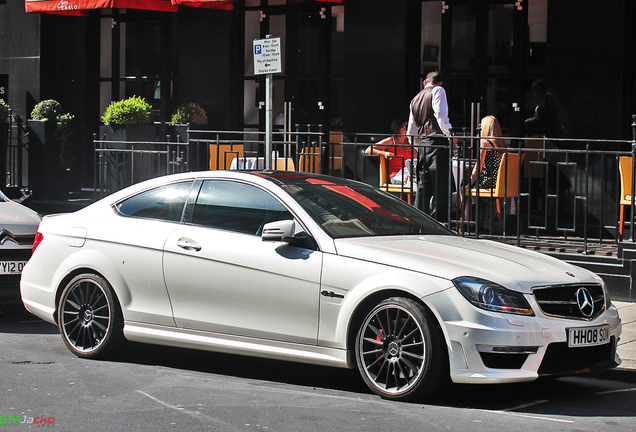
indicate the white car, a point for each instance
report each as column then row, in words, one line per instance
column 314, row 269
column 18, row 225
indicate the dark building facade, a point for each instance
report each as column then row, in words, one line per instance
column 355, row 63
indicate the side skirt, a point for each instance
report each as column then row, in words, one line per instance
column 229, row 344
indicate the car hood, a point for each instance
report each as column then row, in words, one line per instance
column 18, row 219
column 449, row 257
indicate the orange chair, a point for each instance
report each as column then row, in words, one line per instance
column 309, row 160
column 335, row 150
column 506, row 185
column 625, row 170
column 284, row 164
column 221, row 155
column 393, row 188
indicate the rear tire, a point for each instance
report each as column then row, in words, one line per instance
column 400, row 351
column 89, row 317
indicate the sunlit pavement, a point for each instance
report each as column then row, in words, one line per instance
column 627, row 344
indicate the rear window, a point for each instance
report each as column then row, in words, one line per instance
column 162, row 203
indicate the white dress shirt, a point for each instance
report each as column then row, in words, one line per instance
column 440, row 108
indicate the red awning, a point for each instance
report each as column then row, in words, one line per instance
column 81, row 7
column 210, row 4
column 220, row 4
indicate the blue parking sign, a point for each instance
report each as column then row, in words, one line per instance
column 267, row 56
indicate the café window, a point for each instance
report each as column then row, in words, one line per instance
column 135, row 58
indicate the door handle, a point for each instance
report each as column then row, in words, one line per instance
column 188, row 244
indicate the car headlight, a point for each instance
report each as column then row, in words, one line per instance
column 608, row 300
column 490, row 296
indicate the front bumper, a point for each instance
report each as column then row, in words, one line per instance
column 491, row 347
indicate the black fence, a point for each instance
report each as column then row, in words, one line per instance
column 562, row 190
column 14, row 157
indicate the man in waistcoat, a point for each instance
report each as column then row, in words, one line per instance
column 429, row 127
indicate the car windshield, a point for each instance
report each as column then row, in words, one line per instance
column 350, row 209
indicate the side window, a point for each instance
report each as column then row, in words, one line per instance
column 237, row 207
column 164, row 203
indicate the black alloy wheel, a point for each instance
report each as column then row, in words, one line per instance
column 400, row 351
column 89, row 317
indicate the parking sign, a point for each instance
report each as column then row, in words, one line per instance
column 267, row 56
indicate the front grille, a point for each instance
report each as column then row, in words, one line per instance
column 22, row 240
column 562, row 360
column 561, row 301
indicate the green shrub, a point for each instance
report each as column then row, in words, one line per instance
column 134, row 110
column 189, row 113
column 47, row 110
column 4, row 111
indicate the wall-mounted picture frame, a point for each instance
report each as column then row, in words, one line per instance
column 431, row 53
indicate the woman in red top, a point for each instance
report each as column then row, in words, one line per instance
column 397, row 150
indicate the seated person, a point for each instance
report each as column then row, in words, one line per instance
column 398, row 151
column 489, row 154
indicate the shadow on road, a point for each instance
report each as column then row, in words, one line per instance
column 573, row 396
column 244, row 367
column 16, row 319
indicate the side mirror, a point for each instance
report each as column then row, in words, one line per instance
column 283, row 230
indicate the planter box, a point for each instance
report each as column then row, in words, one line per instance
column 48, row 180
column 141, row 133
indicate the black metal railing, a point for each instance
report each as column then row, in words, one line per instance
column 557, row 189
column 14, row 156
column 119, row 164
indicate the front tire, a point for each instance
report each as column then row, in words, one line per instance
column 400, row 351
column 89, row 317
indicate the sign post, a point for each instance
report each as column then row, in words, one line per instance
column 267, row 60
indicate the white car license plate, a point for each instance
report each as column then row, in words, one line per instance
column 11, row 267
column 588, row 336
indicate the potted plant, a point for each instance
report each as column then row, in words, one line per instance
column 189, row 113
column 129, row 120
column 47, row 110
column 5, row 109
column 51, row 148
column 186, row 116
column 52, row 112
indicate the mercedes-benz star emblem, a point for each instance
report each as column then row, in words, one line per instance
column 585, row 302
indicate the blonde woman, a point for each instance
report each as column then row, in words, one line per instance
column 489, row 155
column 489, row 160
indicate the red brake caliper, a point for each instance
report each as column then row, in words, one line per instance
column 379, row 346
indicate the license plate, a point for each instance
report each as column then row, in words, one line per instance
column 11, row 267
column 588, row 336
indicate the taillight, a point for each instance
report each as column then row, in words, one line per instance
column 36, row 242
